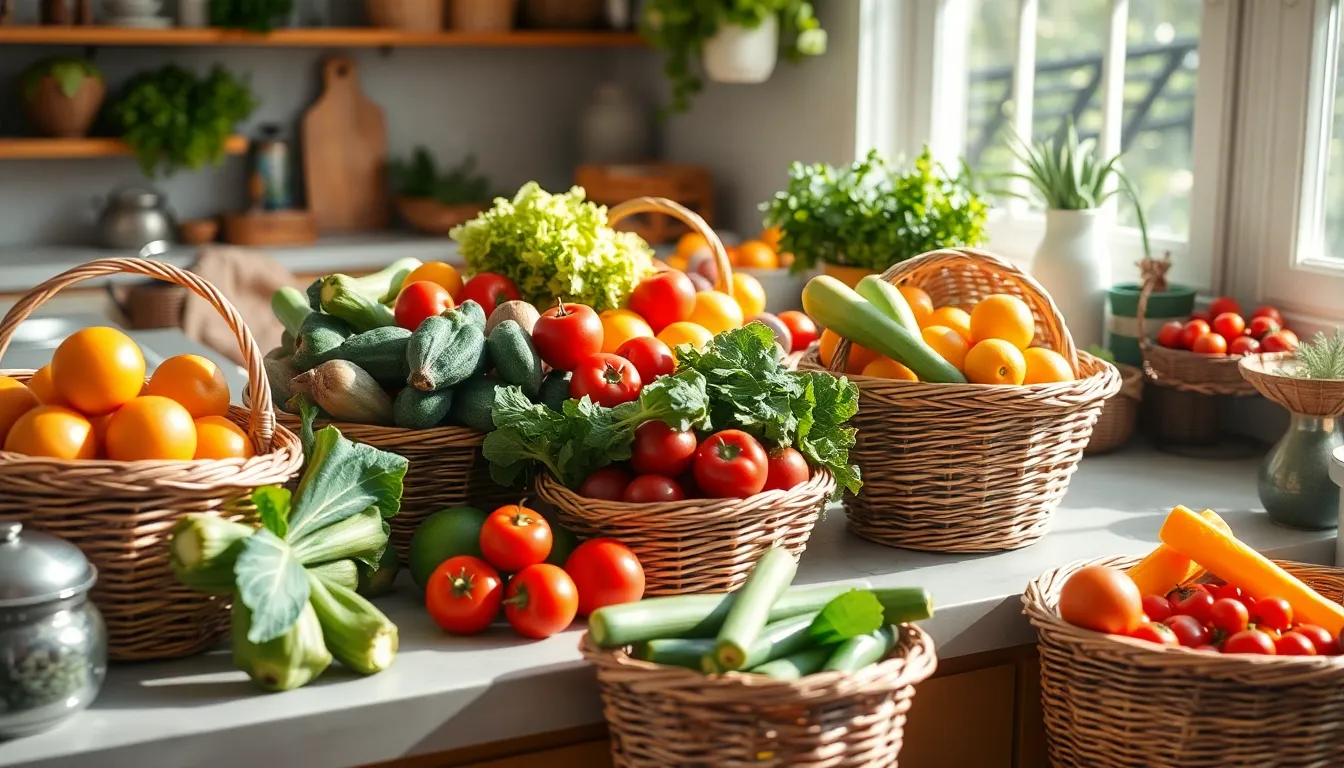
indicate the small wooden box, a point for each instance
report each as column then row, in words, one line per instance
column 690, row 185
column 295, row 227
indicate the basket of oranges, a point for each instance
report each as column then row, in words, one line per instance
column 975, row 460
column 100, row 456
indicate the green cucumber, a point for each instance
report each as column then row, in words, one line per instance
column 798, row 665
column 474, row 403
column 515, row 357
column 776, row 640
column 444, row 351
column 769, row 578
column 674, row 651
column 414, row 409
column 380, row 351
column 290, row 307
column 837, row 307
column 889, row 301
column 473, row 312
column 858, row 652
column 319, row 334
column 555, row 390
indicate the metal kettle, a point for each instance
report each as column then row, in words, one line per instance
column 137, row 219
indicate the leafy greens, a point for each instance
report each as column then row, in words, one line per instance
column 853, row 613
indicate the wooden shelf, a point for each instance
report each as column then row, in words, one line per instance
column 49, row 149
column 319, row 37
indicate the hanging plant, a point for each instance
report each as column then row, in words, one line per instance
column 251, row 15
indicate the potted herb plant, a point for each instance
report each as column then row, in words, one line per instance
column 62, row 96
column 862, row 218
column 434, row 203
column 739, row 41
column 173, row 118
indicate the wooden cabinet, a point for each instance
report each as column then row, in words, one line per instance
column 962, row 719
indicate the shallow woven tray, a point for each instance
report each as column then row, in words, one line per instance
column 119, row 513
column 1119, row 415
column 1115, row 702
column 668, row 716
column 1187, row 371
column 1322, row 398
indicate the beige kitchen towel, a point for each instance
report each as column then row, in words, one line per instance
column 247, row 277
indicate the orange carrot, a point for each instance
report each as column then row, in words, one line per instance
column 1164, row 568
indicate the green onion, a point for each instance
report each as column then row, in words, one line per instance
column 858, row 652
column 779, row 639
column 797, row 665
column 768, row 580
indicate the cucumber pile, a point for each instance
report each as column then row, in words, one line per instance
column 767, row 627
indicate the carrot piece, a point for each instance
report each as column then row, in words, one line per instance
column 1164, row 568
column 1239, row 565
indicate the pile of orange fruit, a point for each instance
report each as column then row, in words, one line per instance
column 760, row 253
column 991, row 344
column 93, row 402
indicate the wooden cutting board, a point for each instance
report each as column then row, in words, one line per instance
column 345, row 154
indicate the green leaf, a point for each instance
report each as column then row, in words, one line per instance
column 273, row 507
column 851, row 614
column 308, row 412
column 343, row 479
column 272, row 584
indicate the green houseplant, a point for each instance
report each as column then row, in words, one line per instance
column 434, row 202
column 251, row 15
column 739, row 40
column 869, row 215
column 62, row 96
column 172, row 118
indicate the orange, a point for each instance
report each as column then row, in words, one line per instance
column 690, row 243
column 53, row 431
column 948, row 344
column 439, row 273
column 859, row 356
column 785, row 260
column 44, row 388
column 1045, row 366
column 954, row 318
column 755, row 254
column 100, row 432
column 15, row 400
column 886, row 368
column 149, row 428
column 716, row 312
column 749, row 294
column 684, row 332
column 919, row 302
column 772, row 236
column 620, row 326
column 97, row 370
column 826, row 346
column 1002, row 317
column 195, row 382
column 734, row 258
column 995, row 361
column 676, row 262
column 219, row 438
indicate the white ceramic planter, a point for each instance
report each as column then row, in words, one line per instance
column 736, row 54
column 193, row 13
column 1337, row 474
column 1074, row 266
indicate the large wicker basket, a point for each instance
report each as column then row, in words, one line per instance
column 1115, row 424
column 970, row 467
column 661, row 717
column 1187, row 371
column 1115, row 702
column 119, row 513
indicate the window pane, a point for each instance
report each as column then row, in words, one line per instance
column 989, row 108
column 1334, row 178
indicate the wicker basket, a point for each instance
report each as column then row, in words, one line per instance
column 1114, row 702
column 970, row 467
column 1187, row 371
column 1115, row 424
column 1321, row 398
column 668, row 716
column 119, row 513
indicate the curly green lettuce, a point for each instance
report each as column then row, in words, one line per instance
column 555, row 246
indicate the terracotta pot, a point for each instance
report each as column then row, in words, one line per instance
column 198, row 231
column 562, row 14
column 431, row 217
column 483, row 15
column 65, row 117
column 848, row 275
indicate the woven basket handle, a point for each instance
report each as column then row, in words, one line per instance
column 1144, row 293
column 689, row 218
column 932, row 263
column 261, row 423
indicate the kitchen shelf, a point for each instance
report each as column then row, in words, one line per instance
column 49, row 149
column 318, row 37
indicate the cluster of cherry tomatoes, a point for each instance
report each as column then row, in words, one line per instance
column 1223, row 619
column 1223, row 330
column 466, row 593
column 436, row 287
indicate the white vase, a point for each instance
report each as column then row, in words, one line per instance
column 193, row 13
column 1074, row 266
column 615, row 128
column 737, row 54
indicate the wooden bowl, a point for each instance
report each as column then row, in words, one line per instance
column 431, row 217
column 199, row 231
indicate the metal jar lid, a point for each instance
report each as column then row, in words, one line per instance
column 38, row 568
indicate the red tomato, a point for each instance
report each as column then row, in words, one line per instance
column 1208, row 648
column 489, row 290
column 1189, row 631
column 607, row 483
column 730, row 465
column 541, row 600
column 1272, row 612
column 1227, row 591
column 652, row 358
column 1250, row 641
column 1193, row 330
column 420, row 300
column 1321, row 640
column 1156, row 608
column 1170, row 335
column 784, row 469
column 605, row 572
column 1224, row 305
column 1191, row 602
column 1200, row 314
column 1155, row 633
column 1268, row 312
column 606, row 379
column 1102, row 599
column 1210, row 344
column 651, row 489
column 801, row 327
column 1229, row 325
column 664, row 299
column 567, row 334
column 1261, row 327
column 1243, row 345
column 661, row 450
column 515, row 537
column 1293, row 644
column 1228, row 615
column 463, row 595
column 1279, row 341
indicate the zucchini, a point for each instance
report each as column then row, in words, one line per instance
column 314, row 294
column 889, row 301
column 381, row 352
column 769, row 579
column 693, row 616
column 555, row 390
column 776, row 640
column 347, row 392
column 798, row 665
column 515, row 357
column 290, row 307
column 415, row 409
column 836, row 306
column 674, row 651
column 320, row 334
column 858, row 652
column 387, row 282
column 343, row 572
column 341, row 297
column 444, row 351
column 473, row 312
column 473, row 403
